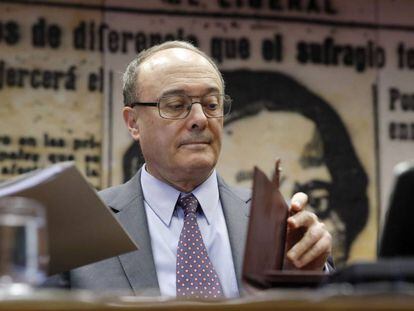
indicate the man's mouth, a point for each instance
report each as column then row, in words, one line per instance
column 195, row 142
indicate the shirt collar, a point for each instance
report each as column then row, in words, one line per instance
column 162, row 197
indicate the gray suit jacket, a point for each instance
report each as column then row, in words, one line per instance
column 134, row 272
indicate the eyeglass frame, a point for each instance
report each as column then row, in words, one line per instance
column 157, row 104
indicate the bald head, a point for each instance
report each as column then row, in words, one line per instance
column 131, row 86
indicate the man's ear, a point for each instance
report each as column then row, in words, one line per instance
column 130, row 118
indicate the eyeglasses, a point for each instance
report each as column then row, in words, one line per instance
column 179, row 106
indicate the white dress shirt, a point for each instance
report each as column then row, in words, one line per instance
column 165, row 223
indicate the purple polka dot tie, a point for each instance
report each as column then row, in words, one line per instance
column 196, row 276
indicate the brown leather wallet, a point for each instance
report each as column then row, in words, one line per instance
column 266, row 238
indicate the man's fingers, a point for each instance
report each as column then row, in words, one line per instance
column 302, row 219
column 298, row 202
column 317, row 254
column 311, row 237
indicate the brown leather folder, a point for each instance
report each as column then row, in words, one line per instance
column 266, row 238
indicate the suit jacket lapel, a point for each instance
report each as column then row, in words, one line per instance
column 139, row 265
column 236, row 212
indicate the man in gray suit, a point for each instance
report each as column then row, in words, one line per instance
column 174, row 107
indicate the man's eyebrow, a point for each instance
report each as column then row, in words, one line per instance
column 173, row 92
column 209, row 90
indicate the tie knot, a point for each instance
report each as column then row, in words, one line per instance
column 188, row 203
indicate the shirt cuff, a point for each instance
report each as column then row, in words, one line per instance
column 327, row 268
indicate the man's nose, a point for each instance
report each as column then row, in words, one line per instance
column 197, row 118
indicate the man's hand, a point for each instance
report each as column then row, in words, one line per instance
column 308, row 243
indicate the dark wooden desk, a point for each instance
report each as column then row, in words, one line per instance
column 338, row 298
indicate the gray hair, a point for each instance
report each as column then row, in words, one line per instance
column 130, row 77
